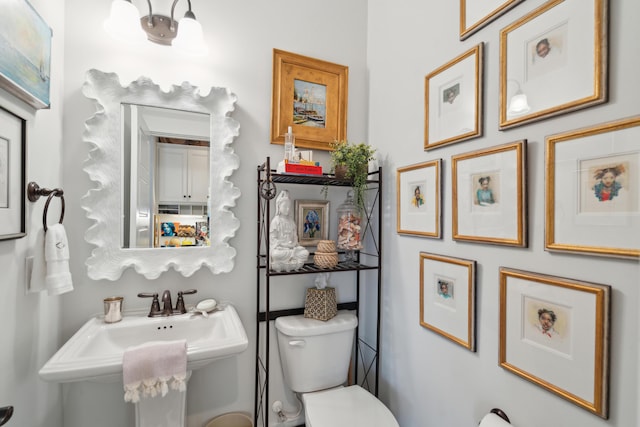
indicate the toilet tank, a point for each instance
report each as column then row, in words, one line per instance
column 315, row 354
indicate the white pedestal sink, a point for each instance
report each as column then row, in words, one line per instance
column 94, row 352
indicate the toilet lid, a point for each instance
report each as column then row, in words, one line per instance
column 350, row 406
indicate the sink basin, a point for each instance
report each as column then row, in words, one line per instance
column 95, row 351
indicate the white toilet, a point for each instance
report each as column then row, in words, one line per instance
column 315, row 358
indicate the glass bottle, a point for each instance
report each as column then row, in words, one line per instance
column 349, row 227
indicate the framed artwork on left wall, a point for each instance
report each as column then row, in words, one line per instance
column 13, row 149
column 25, row 54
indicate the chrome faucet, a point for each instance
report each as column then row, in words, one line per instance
column 167, row 309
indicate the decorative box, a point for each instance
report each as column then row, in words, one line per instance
column 321, row 304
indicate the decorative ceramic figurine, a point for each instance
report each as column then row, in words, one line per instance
column 284, row 252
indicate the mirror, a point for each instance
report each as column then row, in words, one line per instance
column 123, row 215
column 165, row 171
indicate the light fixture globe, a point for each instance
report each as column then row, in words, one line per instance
column 518, row 104
column 190, row 38
column 123, row 22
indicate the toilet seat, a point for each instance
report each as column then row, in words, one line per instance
column 350, row 406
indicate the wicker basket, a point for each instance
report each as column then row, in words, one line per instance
column 326, row 246
column 325, row 260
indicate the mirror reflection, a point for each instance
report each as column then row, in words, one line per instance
column 165, row 177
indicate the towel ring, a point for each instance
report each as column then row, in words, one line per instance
column 34, row 191
column 46, row 208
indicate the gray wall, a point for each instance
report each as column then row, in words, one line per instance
column 429, row 380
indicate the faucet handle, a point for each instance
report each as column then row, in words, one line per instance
column 155, row 304
column 180, row 302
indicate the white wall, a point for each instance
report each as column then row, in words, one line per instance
column 31, row 322
column 427, row 379
column 241, row 37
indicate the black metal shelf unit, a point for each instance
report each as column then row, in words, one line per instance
column 366, row 356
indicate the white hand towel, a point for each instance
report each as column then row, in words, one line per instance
column 56, row 254
column 151, row 368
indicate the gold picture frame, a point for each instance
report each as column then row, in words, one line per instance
column 475, row 14
column 310, row 95
column 419, row 199
column 447, row 297
column 312, row 220
column 592, row 195
column 537, row 79
column 554, row 332
column 453, row 100
column 490, row 195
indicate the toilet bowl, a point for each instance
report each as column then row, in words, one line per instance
column 315, row 357
column 350, row 406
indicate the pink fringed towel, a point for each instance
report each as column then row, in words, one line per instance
column 152, row 368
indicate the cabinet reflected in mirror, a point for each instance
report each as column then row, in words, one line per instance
column 165, row 177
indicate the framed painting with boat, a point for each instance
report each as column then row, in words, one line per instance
column 310, row 95
column 25, row 54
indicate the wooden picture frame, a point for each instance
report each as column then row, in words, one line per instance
column 25, row 62
column 453, row 100
column 419, row 199
column 310, row 95
column 490, row 195
column 475, row 14
column 312, row 220
column 13, row 186
column 554, row 332
column 447, row 297
column 593, row 190
column 537, row 79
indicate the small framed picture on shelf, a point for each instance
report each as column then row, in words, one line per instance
column 592, row 190
column 489, row 195
column 13, row 187
column 453, row 100
column 537, row 79
column 554, row 332
column 419, row 199
column 311, row 96
column 476, row 14
column 447, row 297
column 312, row 219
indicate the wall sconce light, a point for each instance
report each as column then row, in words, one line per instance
column 124, row 23
column 518, row 103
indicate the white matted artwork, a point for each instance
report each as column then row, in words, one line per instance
column 593, row 190
column 489, row 195
column 419, row 198
column 12, row 175
column 453, row 100
column 447, row 297
column 554, row 332
column 475, row 14
column 537, row 79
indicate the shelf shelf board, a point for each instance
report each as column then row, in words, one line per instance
column 325, row 179
column 311, row 268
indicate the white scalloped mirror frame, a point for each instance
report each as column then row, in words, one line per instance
column 103, row 204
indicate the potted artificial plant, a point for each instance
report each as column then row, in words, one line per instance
column 351, row 161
